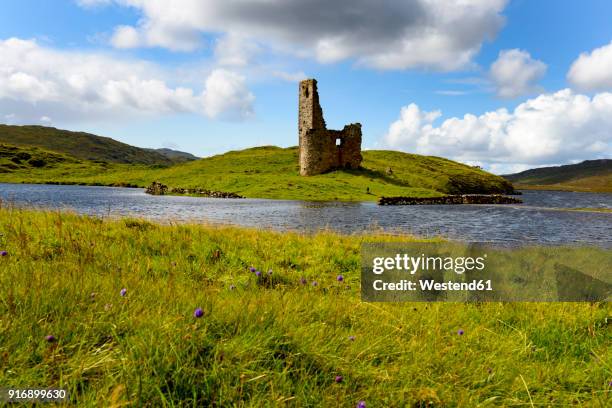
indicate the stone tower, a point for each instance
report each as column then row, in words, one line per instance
column 322, row 150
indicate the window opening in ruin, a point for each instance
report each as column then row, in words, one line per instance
column 306, row 92
column 338, row 142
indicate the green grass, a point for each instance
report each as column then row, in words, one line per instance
column 272, row 172
column 589, row 176
column 272, row 341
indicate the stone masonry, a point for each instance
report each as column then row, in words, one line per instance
column 322, row 150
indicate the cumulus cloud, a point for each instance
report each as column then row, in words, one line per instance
column 515, row 73
column 388, row 34
column 225, row 93
column 38, row 82
column 233, row 50
column 553, row 128
column 126, row 37
column 593, row 71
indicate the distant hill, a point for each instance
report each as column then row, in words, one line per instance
column 175, row 155
column 80, row 145
column 590, row 175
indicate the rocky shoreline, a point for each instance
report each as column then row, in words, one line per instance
column 161, row 189
column 451, row 199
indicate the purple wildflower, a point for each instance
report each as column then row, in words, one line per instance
column 258, row 273
column 338, row 379
column 3, row 253
column 361, row 404
column 314, row 283
column 50, row 338
column 351, row 338
column 610, row 383
column 123, row 292
column 340, row 278
column 460, row 332
column 252, row 269
column 198, row 312
column 303, row 281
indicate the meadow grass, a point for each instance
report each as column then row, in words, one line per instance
column 273, row 340
column 272, row 172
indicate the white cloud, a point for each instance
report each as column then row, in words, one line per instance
column 515, row 73
column 550, row 129
column 226, row 93
column 37, row 81
column 126, row 37
column 438, row 34
column 232, row 50
column 593, row 71
column 290, row 76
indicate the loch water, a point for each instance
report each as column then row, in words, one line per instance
column 540, row 219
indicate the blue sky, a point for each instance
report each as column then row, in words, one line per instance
column 503, row 84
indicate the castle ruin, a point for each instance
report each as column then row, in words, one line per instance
column 322, row 150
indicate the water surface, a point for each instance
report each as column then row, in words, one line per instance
column 535, row 221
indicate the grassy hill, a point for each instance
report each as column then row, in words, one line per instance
column 590, row 175
column 272, row 172
column 16, row 159
column 80, row 145
column 175, row 155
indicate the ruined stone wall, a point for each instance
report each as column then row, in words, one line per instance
column 317, row 152
column 349, row 151
column 310, row 113
column 322, row 150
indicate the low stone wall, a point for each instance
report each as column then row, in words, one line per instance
column 205, row 193
column 451, row 199
column 157, row 189
column 160, row 189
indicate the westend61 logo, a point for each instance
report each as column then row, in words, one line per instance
column 456, row 272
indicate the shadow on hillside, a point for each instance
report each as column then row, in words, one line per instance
column 375, row 175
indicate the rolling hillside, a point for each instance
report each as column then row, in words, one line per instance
column 80, row 145
column 175, row 155
column 590, row 175
column 272, row 172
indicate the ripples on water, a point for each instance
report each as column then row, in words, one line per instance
column 534, row 221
